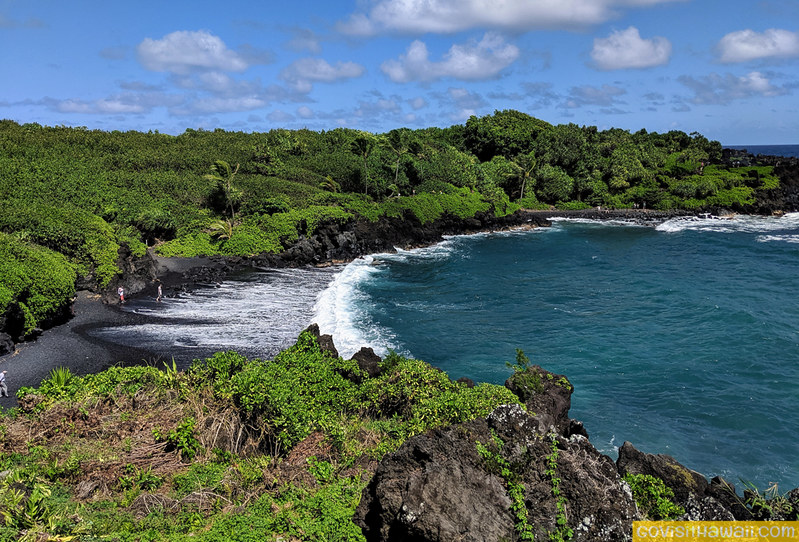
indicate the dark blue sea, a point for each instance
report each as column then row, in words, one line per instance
column 681, row 338
column 789, row 151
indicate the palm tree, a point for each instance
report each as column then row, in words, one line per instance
column 362, row 146
column 524, row 165
column 397, row 142
column 330, row 185
column 223, row 175
column 221, row 229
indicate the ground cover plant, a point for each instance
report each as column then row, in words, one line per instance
column 232, row 448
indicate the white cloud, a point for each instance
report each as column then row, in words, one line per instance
column 305, row 112
column 745, row 45
column 304, row 40
column 127, row 103
column 472, row 61
column 304, row 72
column 448, row 16
column 718, row 90
column 184, row 52
column 605, row 96
column 626, row 49
column 463, row 103
column 214, row 105
column 417, row 103
column 279, row 116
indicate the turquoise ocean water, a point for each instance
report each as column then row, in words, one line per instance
column 683, row 339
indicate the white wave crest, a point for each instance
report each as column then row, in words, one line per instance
column 778, row 238
column 733, row 224
column 340, row 309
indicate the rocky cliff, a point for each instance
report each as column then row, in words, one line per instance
column 522, row 474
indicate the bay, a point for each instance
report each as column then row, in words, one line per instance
column 683, row 339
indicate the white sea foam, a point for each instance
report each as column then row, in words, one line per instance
column 343, row 309
column 339, row 308
column 258, row 316
column 734, row 224
column 778, row 238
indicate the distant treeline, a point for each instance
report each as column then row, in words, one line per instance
column 71, row 197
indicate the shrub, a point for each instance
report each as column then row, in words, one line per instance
column 654, row 499
column 36, row 283
column 85, row 238
column 188, row 246
column 182, row 438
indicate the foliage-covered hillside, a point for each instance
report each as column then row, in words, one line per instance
column 84, row 193
column 232, row 449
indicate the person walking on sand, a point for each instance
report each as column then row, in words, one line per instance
column 3, row 384
column 121, row 292
column 160, row 293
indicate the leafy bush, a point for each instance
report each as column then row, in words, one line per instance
column 85, row 238
column 654, row 499
column 573, row 205
column 191, row 245
column 36, row 283
column 182, row 438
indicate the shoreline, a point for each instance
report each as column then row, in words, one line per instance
column 71, row 345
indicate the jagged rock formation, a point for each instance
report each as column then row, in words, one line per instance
column 356, row 238
column 533, row 471
column 457, row 483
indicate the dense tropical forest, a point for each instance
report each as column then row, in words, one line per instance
column 70, row 198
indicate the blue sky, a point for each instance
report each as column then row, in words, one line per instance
column 728, row 69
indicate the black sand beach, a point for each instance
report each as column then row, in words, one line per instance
column 69, row 345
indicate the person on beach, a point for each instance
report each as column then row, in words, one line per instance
column 160, row 293
column 121, row 292
column 3, row 385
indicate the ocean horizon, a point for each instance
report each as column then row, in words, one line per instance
column 788, row 151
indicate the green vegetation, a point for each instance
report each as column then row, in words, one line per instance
column 91, row 195
column 563, row 531
column 770, row 505
column 231, row 449
column 491, row 454
column 36, row 284
column 655, row 501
